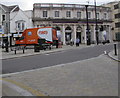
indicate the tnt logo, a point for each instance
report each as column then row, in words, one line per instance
column 43, row 32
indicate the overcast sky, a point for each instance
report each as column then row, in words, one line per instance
column 28, row 4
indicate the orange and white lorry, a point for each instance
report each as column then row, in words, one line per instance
column 33, row 36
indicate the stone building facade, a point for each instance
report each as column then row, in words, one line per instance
column 115, row 14
column 70, row 20
column 117, row 20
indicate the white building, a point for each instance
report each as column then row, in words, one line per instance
column 70, row 20
column 13, row 21
column 19, row 21
column 5, row 22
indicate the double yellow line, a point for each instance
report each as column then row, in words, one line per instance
column 34, row 92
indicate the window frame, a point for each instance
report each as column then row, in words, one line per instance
column 20, row 25
column 79, row 14
column 105, row 15
column 89, row 15
column 5, row 17
column 57, row 13
column 68, row 14
column 45, row 14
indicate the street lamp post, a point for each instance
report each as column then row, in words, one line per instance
column 87, row 30
column 96, row 27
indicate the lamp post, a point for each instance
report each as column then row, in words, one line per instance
column 96, row 27
column 87, row 30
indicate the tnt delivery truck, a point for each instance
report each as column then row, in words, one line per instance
column 39, row 37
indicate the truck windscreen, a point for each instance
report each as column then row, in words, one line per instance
column 21, row 38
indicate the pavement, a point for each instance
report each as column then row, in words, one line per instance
column 92, row 77
column 113, row 56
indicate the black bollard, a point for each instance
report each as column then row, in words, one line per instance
column 23, row 51
column 15, row 51
column 115, row 49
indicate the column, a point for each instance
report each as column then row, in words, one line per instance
column 74, row 33
column 63, row 34
column 110, row 33
column 84, row 31
column 94, row 33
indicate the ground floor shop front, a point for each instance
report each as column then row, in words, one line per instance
column 68, row 32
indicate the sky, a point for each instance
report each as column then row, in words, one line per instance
column 28, row 4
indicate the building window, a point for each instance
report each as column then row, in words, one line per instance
column 89, row 14
column 117, row 15
column 98, row 15
column 44, row 13
column 3, row 17
column 117, row 25
column 105, row 15
column 78, row 14
column 68, row 14
column 23, row 26
column 20, row 25
column 56, row 13
column 117, row 36
column 116, row 6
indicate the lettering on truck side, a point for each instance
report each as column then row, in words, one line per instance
column 43, row 32
column 33, row 40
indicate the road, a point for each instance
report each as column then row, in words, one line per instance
column 46, row 60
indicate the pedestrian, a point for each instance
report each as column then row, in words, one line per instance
column 71, row 42
column 6, row 46
column 77, row 42
column 57, row 43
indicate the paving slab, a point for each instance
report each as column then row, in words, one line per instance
column 93, row 77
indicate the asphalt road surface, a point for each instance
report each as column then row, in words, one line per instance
column 46, row 60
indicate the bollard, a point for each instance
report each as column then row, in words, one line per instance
column 23, row 51
column 15, row 51
column 115, row 49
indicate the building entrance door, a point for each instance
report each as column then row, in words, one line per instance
column 78, row 35
column 67, row 37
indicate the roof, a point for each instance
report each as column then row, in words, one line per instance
column 10, row 8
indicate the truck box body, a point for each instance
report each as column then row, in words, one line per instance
column 31, row 36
